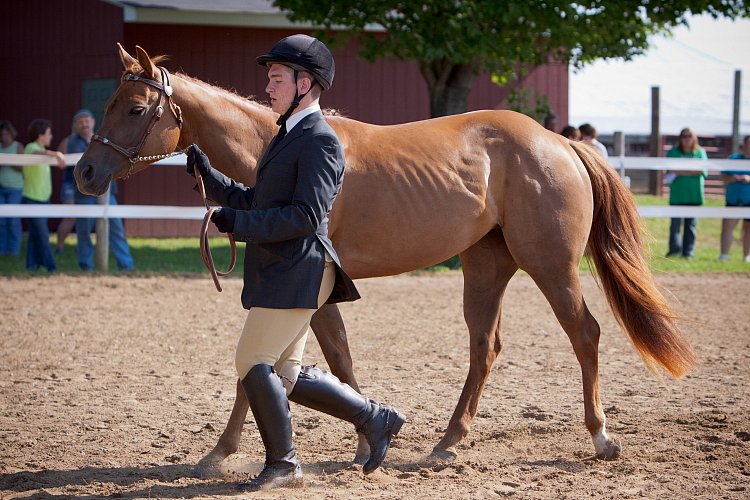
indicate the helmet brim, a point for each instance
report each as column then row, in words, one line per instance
column 267, row 60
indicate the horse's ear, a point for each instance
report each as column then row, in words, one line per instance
column 149, row 68
column 128, row 61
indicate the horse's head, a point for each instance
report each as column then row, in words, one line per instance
column 141, row 125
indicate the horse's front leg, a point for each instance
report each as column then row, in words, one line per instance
column 229, row 441
column 330, row 331
column 487, row 267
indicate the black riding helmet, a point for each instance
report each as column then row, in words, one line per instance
column 302, row 53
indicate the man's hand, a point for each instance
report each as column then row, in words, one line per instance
column 197, row 159
column 224, row 219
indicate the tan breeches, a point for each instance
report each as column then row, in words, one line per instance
column 277, row 337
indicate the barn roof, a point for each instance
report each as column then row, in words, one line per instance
column 242, row 13
column 239, row 13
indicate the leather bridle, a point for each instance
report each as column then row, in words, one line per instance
column 165, row 91
column 132, row 154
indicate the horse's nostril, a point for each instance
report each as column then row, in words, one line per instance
column 88, row 173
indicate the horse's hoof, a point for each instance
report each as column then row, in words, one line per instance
column 206, row 471
column 363, row 451
column 612, row 452
column 208, row 467
column 443, row 456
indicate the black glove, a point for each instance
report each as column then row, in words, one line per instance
column 197, row 159
column 224, row 219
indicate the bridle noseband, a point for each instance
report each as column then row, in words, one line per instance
column 132, row 153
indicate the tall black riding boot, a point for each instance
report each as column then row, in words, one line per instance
column 270, row 407
column 324, row 392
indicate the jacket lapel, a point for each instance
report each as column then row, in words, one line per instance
column 297, row 132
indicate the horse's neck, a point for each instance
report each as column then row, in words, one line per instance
column 232, row 131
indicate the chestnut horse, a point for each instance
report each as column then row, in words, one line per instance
column 492, row 186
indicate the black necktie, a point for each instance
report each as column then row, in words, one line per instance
column 279, row 136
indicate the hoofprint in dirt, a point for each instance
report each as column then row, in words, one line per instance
column 115, row 386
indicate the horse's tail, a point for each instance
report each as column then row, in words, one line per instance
column 622, row 267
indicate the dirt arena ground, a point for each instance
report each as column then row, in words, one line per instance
column 115, row 386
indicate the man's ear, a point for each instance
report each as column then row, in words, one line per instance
column 304, row 84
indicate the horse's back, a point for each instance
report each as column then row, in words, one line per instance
column 426, row 190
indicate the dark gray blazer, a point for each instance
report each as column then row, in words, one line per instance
column 284, row 218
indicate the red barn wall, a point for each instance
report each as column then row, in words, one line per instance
column 48, row 49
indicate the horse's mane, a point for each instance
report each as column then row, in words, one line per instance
column 230, row 94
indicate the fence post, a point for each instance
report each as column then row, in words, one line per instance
column 102, row 234
column 654, row 178
column 618, row 139
column 736, row 113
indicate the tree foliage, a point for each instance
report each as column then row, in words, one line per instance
column 453, row 40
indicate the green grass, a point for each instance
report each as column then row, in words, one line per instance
column 182, row 255
column 151, row 255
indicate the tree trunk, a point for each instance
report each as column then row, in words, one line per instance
column 449, row 85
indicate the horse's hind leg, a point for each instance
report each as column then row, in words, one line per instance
column 487, row 268
column 561, row 285
column 330, row 332
column 331, row 335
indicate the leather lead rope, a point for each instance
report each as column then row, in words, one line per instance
column 206, row 256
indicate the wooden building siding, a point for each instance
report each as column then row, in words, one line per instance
column 49, row 48
column 385, row 92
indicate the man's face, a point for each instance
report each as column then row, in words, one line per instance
column 84, row 126
column 281, row 87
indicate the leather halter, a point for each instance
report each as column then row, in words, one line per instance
column 164, row 89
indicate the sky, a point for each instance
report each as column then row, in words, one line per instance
column 694, row 71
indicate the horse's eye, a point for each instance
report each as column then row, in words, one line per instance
column 137, row 110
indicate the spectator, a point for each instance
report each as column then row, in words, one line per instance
column 550, row 122
column 11, row 189
column 83, row 130
column 588, row 136
column 737, row 195
column 83, row 124
column 571, row 133
column 37, row 189
column 685, row 189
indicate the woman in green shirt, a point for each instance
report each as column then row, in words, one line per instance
column 37, row 188
column 685, row 189
column 11, row 185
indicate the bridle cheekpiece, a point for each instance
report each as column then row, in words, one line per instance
column 165, row 90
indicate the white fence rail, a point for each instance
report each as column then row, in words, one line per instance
column 196, row 213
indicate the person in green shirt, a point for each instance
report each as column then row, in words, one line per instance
column 37, row 189
column 11, row 185
column 686, row 189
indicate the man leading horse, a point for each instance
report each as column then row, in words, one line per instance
column 291, row 267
